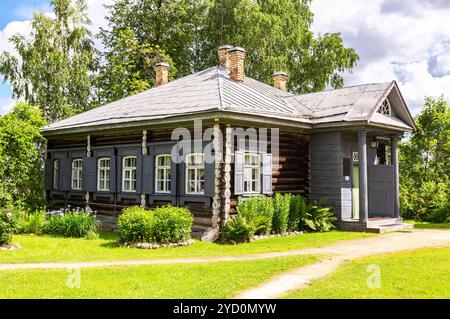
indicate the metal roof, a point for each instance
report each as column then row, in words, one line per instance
column 213, row 90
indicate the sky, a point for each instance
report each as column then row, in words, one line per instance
column 403, row 40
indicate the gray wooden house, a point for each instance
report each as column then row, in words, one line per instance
column 339, row 147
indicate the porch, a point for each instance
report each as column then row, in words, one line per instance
column 375, row 225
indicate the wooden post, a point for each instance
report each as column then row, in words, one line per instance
column 217, row 199
column 394, row 162
column 144, row 152
column 227, row 174
column 88, row 155
column 363, row 189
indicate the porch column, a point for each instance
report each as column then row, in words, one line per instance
column 394, row 162
column 144, row 151
column 363, row 192
column 88, row 155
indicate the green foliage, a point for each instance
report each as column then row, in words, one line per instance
column 21, row 157
column 171, row 224
column 238, row 229
column 54, row 63
column 257, row 210
column 297, row 212
column 31, row 223
column 281, row 204
column 161, row 225
column 7, row 226
column 276, row 34
column 74, row 223
column 425, row 165
column 319, row 219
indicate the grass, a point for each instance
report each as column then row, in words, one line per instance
column 415, row 274
column 54, row 249
column 427, row 225
column 218, row 280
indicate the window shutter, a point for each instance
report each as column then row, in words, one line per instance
column 148, row 168
column 267, row 174
column 174, row 177
column 90, row 174
column 48, row 174
column 65, row 174
column 113, row 174
column 139, row 173
column 238, row 173
column 209, row 179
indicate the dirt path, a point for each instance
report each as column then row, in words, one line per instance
column 343, row 251
column 340, row 251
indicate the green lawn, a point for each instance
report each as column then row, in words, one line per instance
column 427, row 225
column 211, row 280
column 423, row 273
column 53, row 249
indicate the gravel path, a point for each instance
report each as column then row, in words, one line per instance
column 344, row 251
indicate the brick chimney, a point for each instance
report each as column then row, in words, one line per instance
column 161, row 73
column 224, row 57
column 280, row 80
column 237, row 61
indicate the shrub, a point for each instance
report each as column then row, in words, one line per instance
column 281, row 204
column 170, row 224
column 134, row 224
column 297, row 212
column 257, row 210
column 7, row 226
column 163, row 225
column 71, row 223
column 31, row 223
column 319, row 219
column 428, row 203
column 238, row 229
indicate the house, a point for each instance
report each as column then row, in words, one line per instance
column 339, row 147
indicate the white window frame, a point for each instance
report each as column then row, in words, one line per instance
column 196, row 180
column 77, row 175
column 167, row 174
column 56, row 174
column 249, row 169
column 385, row 108
column 130, row 169
column 104, row 184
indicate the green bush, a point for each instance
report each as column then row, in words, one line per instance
column 238, row 229
column 429, row 203
column 31, row 223
column 319, row 219
column 257, row 210
column 171, row 224
column 7, row 226
column 134, row 224
column 281, row 204
column 71, row 223
column 297, row 212
column 163, row 225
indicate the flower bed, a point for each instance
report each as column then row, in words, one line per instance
column 156, row 245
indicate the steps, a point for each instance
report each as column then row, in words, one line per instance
column 376, row 225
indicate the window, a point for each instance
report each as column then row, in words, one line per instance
column 385, row 108
column 55, row 174
column 129, row 174
column 163, row 173
column 252, row 173
column 195, row 174
column 383, row 154
column 103, row 174
column 77, row 174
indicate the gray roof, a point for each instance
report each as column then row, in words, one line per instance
column 213, row 90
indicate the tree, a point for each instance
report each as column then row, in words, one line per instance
column 275, row 33
column 425, row 164
column 55, row 60
column 21, row 157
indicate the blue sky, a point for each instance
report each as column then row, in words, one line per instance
column 403, row 40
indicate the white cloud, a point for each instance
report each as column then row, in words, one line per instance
column 407, row 41
column 6, row 105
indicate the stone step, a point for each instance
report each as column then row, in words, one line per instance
column 384, row 221
column 391, row 228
